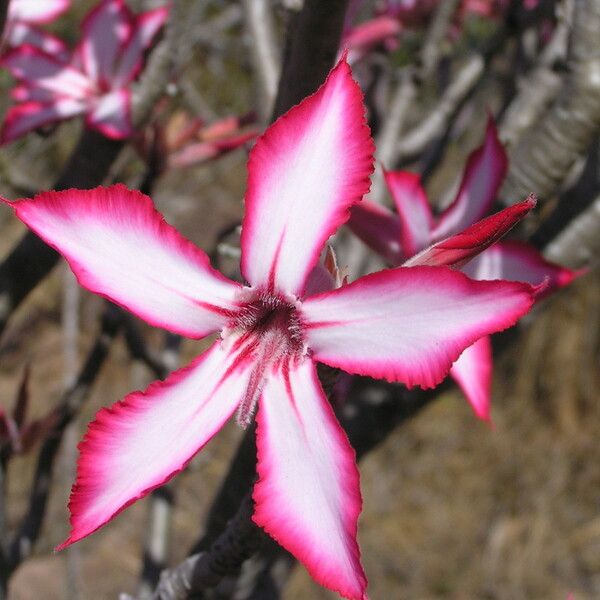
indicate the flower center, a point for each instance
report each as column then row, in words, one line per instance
column 267, row 331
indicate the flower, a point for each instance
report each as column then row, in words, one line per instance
column 24, row 18
column 93, row 80
column 183, row 141
column 415, row 236
column 408, row 325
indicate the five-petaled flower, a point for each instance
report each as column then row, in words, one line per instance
column 93, row 80
column 403, row 324
column 23, row 21
column 403, row 238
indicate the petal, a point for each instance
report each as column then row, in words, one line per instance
column 112, row 115
column 37, row 68
column 484, row 173
column 142, row 441
column 378, row 228
column 26, row 117
column 308, row 496
column 106, row 30
column 120, row 246
column 146, row 27
column 459, row 249
column 304, row 173
column 20, row 34
column 416, row 219
column 26, row 93
column 409, row 324
column 363, row 38
column 473, row 373
column 37, row 11
column 519, row 261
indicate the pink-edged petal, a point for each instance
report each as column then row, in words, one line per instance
column 519, row 261
column 27, row 117
column 142, row 441
column 146, row 27
column 26, row 93
column 308, row 496
column 408, row 324
column 473, row 373
column 111, row 115
column 20, row 34
column 378, row 227
column 37, row 11
column 459, row 249
column 484, row 173
column 416, row 219
column 304, row 173
column 120, row 246
column 106, row 30
column 36, row 67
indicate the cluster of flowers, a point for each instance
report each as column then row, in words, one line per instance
column 93, row 79
column 307, row 174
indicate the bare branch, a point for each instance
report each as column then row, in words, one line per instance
column 436, row 33
column 435, row 124
column 312, row 44
column 28, row 532
column 538, row 87
column 4, row 4
column 543, row 158
column 265, row 51
column 391, row 128
column 240, row 539
column 579, row 243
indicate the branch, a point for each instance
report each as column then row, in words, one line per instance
column 579, row 243
column 265, row 51
column 4, row 4
column 391, row 129
column 538, row 87
column 435, row 124
column 435, row 36
column 311, row 48
column 23, row 541
column 238, row 542
column 543, row 158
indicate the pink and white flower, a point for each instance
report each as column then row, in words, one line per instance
column 457, row 237
column 24, row 20
column 404, row 324
column 94, row 80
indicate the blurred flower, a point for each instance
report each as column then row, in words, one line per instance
column 409, row 325
column 393, row 17
column 415, row 236
column 93, row 80
column 184, row 141
column 24, row 18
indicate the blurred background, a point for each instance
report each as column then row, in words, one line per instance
column 454, row 508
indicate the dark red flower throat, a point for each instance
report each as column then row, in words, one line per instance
column 266, row 330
